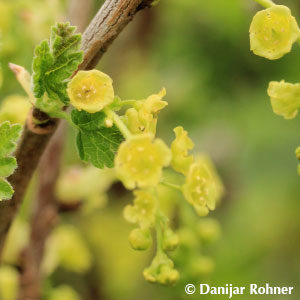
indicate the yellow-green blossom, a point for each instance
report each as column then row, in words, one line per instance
column 66, row 247
column 140, row 160
column 144, row 209
column 90, row 91
column 181, row 161
column 208, row 229
column 143, row 118
column 9, row 283
column 202, row 188
column 161, row 270
column 140, row 239
column 63, row 292
column 15, row 109
column 285, row 98
column 273, row 32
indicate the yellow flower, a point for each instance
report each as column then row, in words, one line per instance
column 161, row 270
column 140, row 160
column 143, row 118
column 15, row 109
column 273, row 32
column 181, row 161
column 144, row 209
column 202, row 188
column 285, row 98
column 90, row 91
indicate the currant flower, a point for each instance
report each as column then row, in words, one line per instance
column 170, row 240
column 90, row 91
column 15, row 109
column 181, row 161
column 143, row 211
column 9, row 283
column 209, row 230
column 140, row 239
column 273, row 32
column 202, row 188
column 161, row 270
column 140, row 160
column 143, row 118
column 285, row 98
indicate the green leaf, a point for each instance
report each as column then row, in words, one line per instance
column 9, row 134
column 54, row 63
column 6, row 191
column 7, row 166
column 95, row 142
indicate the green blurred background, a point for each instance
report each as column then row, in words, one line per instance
column 216, row 89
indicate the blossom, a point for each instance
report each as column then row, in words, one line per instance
column 285, row 98
column 144, row 209
column 202, row 188
column 90, row 91
column 143, row 117
column 179, row 147
column 161, row 270
column 273, row 32
column 140, row 160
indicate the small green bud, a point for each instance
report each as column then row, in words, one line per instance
column 285, row 98
column 273, row 32
column 202, row 266
column 140, row 239
column 64, row 292
column 209, row 230
column 170, row 240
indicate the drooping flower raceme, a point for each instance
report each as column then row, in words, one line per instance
column 202, row 188
column 90, row 91
column 181, row 161
column 285, row 98
column 273, row 32
column 140, row 160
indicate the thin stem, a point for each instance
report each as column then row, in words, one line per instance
column 265, row 3
column 118, row 122
column 171, row 185
column 64, row 115
column 128, row 102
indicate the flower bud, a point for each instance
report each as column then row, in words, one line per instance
column 140, row 239
column 208, row 229
column 273, row 32
column 170, row 240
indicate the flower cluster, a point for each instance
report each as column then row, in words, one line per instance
column 273, row 32
column 140, row 161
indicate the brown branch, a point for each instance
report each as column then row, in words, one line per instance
column 112, row 17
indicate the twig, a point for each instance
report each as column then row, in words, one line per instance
column 112, row 17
